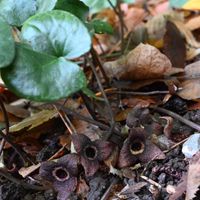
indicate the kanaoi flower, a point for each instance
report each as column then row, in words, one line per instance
column 137, row 148
column 62, row 174
column 91, row 152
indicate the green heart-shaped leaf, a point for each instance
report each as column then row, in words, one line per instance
column 58, row 33
column 45, row 5
column 7, row 45
column 76, row 7
column 15, row 12
column 42, row 77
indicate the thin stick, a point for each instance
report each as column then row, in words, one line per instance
column 89, row 120
column 6, row 121
column 122, row 25
column 178, row 117
column 105, row 98
column 87, row 103
column 151, row 181
column 96, row 61
column 7, row 138
column 175, row 145
column 63, row 119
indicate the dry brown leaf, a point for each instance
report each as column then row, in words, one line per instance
column 17, row 111
column 25, row 171
column 174, row 45
column 193, row 179
column 193, row 23
column 180, row 189
column 128, row 192
column 193, row 47
column 191, row 87
column 143, row 62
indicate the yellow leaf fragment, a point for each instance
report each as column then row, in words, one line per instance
column 34, row 121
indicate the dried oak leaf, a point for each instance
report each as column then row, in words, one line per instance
column 143, row 62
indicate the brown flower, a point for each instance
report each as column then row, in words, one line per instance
column 91, row 152
column 137, row 148
column 62, row 174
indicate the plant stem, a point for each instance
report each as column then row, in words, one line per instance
column 97, row 62
column 87, row 102
column 112, row 122
column 6, row 137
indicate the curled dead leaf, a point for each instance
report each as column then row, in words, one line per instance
column 191, row 86
column 143, row 62
column 193, row 179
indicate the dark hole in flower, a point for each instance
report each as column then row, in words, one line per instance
column 137, row 147
column 61, row 173
column 90, row 152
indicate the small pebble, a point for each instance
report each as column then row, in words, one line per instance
column 192, row 145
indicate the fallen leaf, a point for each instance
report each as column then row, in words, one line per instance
column 174, row 45
column 34, row 120
column 193, row 178
column 193, row 23
column 134, row 67
column 25, row 171
column 191, row 87
column 179, row 189
column 192, row 46
column 128, row 192
column 17, row 111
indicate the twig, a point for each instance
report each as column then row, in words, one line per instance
column 20, row 182
column 114, row 91
column 105, row 98
column 64, row 121
column 89, row 120
column 87, row 102
column 6, row 121
column 7, row 138
column 178, row 117
column 151, row 181
column 97, row 62
column 122, row 25
column 175, row 145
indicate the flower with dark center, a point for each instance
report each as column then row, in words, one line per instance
column 62, row 174
column 91, row 152
column 137, row 148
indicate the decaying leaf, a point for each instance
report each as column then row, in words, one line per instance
column 193, row 23
column 128, row 192
column 174, row 45
column 191, row 86
column 180, row 189
column 193, row 47
column 34, row 121
column 134, row 67
column 193, row 179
